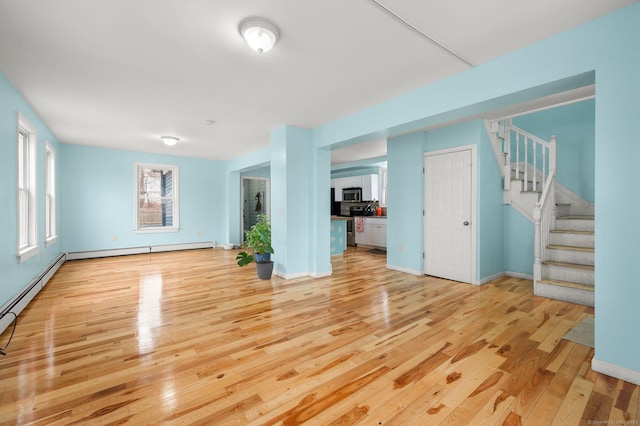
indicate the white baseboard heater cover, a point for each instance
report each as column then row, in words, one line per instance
column 20, row 301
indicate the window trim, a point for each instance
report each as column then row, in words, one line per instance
column 50, row 217
column 31, row 248
column 176, row 199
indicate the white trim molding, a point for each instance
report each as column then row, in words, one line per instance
column 616, row 371
column 519, row 275
column 489, row 278
column 138, row 250
column 17, row 303
column 474, row 205
column 405, row 270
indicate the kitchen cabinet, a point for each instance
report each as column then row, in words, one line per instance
column 374, row 234
column 368, row 183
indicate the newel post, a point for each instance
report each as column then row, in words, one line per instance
column 506, row 135
column 537, row 266
column 552, row 155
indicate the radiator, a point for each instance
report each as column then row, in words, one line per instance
column 17, row 304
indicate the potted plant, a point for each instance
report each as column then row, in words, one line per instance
column 258, row 241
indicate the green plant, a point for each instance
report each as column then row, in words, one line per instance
column 258, row 241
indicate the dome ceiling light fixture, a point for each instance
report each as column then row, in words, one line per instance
column 259, row 34
column 169, row 140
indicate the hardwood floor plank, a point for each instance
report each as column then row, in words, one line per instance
column 190, row 338
column 573, row 406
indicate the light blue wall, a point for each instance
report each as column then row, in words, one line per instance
column 490, row 221
column 574, row 127
column 616, row 38
column 263, row 172
column 604, row 49
column 98, row 199
column 359, row 172
column 518, row 242
column 300, row 204
column 405, row 158
column 15, row 276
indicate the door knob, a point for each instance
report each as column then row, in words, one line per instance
column 465, row 223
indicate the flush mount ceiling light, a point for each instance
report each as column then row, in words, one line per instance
column 259, row 34
column 169, row 140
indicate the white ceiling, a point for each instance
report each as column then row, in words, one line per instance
column 121, row 73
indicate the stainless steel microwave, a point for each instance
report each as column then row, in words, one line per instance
column 352, row 194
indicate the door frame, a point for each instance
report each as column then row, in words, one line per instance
column 474, row 202
column 267, row 201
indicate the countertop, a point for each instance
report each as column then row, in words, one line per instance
column 352, row 217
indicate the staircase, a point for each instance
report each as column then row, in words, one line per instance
column 568, row 270
column 564, row 223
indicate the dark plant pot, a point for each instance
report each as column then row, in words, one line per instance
column 264, row 270
column 262, row 257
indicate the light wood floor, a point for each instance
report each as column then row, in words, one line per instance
column 190, row 338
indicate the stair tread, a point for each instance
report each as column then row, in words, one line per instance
column 569, row 265
column 576, row 217
column 563, row 204
column 574, row 248
column 570, row 284
column 570, row 231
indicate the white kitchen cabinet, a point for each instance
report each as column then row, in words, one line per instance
column 374, row 234
column 369, row 187
column 368, row 183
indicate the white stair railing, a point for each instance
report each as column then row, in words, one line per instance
column 533, row 160
column 544, row 217
column 525, row 155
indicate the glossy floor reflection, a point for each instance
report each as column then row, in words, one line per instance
column 191, row 338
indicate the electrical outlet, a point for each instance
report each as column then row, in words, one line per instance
column 114, row 238
column 199, row 233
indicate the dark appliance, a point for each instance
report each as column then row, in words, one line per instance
column 351, row 235
column 335, row 205
column 352, row 194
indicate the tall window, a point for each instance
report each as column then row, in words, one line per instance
column 50, row 195
column 27, row 207
column 156, row 198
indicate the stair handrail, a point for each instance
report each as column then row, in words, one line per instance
column 504, row 129
column 544, row 214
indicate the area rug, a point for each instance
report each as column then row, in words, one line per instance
column 582, row 333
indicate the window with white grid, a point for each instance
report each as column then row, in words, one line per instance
column 50, row 234
column 26, row 179
column 156, row 198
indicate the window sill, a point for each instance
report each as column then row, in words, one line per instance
column 27, row 253
column 156, row 230
column 50, row 241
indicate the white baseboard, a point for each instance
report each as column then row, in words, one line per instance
column 321, row 274
column 489, row 278
column 17, row 303
column 137, row 250
column 291, row 276
column 107, row 253
column 406, row 270
column 616, row 371
column 186, row 246
column 519, row 275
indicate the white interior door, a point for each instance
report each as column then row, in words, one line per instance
column 448, row 215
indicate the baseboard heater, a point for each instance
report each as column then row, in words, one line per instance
column 138, row 250
column 17, row 304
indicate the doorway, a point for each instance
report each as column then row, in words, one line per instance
column 255, row 201
column 449, row 214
